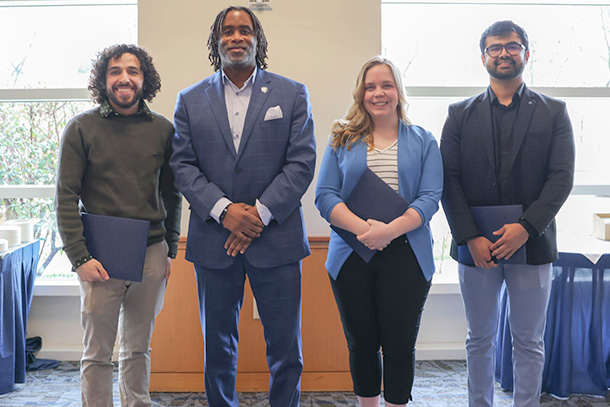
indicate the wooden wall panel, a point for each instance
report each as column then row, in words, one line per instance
column 177, row 357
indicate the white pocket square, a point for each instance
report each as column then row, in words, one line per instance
column 274, row 113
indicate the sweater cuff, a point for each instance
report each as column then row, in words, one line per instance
column 173, row 250
column 80, row 261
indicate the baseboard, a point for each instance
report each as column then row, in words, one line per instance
column 441, row 351
column 426, row 351
column 66, row 353
column 250, row 382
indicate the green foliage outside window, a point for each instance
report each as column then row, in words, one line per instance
column 30, row 134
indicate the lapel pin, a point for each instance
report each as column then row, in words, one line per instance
column 530, row 102
column 264, row 89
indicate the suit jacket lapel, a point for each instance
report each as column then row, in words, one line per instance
column 483, row 112
column 524, row 117
column 260, row 91
column 216, row 96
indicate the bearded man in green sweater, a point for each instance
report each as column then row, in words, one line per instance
column 114, row 161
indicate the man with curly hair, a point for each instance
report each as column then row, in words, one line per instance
column 114, row 160
column 244, row 154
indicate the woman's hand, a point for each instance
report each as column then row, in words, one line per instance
column 378, row 237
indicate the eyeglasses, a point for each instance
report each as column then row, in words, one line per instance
column 513, row 48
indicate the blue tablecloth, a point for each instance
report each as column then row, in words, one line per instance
column 17, row 276
column 577, row 337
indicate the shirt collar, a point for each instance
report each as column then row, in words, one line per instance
column 106, row 109
column 250, row 80
column 493, row 98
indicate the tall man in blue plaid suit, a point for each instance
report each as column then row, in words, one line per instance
column 243, row 156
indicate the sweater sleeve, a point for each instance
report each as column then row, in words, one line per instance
column 70, row 171
column 172, row 201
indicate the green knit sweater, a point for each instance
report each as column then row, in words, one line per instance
column 117, row 165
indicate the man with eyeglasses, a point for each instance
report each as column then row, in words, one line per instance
column 506, row 146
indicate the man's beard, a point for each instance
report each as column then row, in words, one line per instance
column 126, row 105
column 248, row 60
column 510, row 74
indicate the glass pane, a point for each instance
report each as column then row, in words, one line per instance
column 52, row 47
column 29, row 146
column 53, row 261
column 589, row 119
column 29, row 142
column 438, row 44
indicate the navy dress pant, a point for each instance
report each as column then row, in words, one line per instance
column 278, row 297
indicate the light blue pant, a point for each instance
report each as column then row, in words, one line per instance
column 528, row 288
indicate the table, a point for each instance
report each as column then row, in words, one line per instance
column 577, row 337
column 17, row 276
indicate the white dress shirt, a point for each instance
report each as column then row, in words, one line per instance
column 237, row 101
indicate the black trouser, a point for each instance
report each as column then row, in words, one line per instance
column 380, row 304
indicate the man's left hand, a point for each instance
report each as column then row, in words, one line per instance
column 253, row 210
column 236, row 244
column 168, row 269
column 513, row 237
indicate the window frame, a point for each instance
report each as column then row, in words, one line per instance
column 53, row 287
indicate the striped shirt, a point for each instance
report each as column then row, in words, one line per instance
column 384, row 163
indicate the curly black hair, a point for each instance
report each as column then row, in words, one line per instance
column 216, row 33
column 97, row 78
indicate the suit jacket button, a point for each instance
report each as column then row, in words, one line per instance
column 493, row 184
column 237, row 170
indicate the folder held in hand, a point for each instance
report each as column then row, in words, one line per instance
column 118, row 243
column 371, row 198
column 488, row 220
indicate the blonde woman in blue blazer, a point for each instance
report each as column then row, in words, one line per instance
column 381, row 302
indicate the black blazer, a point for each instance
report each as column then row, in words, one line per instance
column 539, row 176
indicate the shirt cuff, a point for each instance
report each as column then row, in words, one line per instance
column 218, row 207
column 264, row 213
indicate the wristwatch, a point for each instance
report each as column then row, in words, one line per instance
column 223, row 214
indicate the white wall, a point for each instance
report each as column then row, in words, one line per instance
column 321, row 43
column 57, row 320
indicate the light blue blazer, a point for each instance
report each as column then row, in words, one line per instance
column 420, row 179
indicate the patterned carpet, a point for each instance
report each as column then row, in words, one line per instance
column 437, row 384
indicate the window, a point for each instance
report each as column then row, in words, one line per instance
column 47, row 50
column 436, row 44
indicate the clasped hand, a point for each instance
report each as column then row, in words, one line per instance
column 484, row 252
column 245, row 225
column 377, row 237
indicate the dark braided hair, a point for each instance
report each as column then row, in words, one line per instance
column 97, row 78
column 216, row 34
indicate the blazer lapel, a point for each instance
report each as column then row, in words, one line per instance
column 260, row 91
column 216, row 95
column 483, row 112
column 524, row 117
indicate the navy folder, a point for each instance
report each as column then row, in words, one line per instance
column 488, row 220
column 118, row 243
column 371, row 198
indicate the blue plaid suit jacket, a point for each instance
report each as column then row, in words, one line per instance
column 275, row 164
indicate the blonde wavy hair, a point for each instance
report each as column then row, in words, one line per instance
column 357, row 123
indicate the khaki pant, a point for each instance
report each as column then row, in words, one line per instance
column 131, row 307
